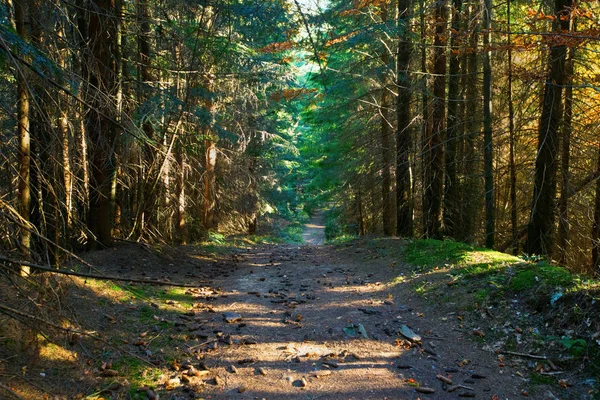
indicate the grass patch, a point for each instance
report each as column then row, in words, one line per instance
column 462, row 259
column 342, row 239
column 468, row 263
column 541, row 274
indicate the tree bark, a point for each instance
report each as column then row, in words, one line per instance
column 452, row 190
column 23, row 134
column 596, row 224
column 209, row 205
column 100, row 127
column 488, row 142
column 388, row 150
column 567, row 128
column 404, row 201
column 435, row 147
column 471, row 192
column 541, row 223
column 511, row 140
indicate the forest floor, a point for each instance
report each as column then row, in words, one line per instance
column 290, row 322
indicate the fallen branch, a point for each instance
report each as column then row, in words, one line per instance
column 524, row 355
column 94, row 276
column 9, row 390
column 11, row 312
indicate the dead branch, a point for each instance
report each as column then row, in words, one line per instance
column 12, row 393
column 94, row 276
column 11, row 312
column 524, row 355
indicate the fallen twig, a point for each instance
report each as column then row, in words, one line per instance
column 95, row 276
column 9, row 390
column 8, row 311
column 525, row 355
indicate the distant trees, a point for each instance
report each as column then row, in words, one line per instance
column 133, row 119
column 464, row 143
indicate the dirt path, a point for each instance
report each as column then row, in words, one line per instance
column 294, row 303
column 314, row 232
column 297, row 313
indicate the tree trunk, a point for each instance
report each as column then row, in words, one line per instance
column 100, row 127
column 488, row 144
column 567, row 128
column 23, row 134
column 404, row 202
column 596, row 224
column 471, row 192
column 388, row 150
column 511, row 141
column 434, row 186
column 209, row 205
column 452, row 190
column 541, row 223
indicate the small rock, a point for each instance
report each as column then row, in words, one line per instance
column 262, row 371
column 425, row 390
column 444, row 379
column 233, row 369
column 409, row 334
column 321, row 374
column 185, row 379
column 478, row 332
column 331, row 363
column 151, row 395
column 231, row 317
column 242, row 389
column 303, row 382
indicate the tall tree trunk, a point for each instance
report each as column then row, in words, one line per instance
column 435, row 144
column 541, row 223
column 102, row 33
column 488, row 143
column 596, row 223
column 23, row 134
column 567, row 128
column 424, row 106
column 147, row 206
column 209, row 204
column 511, row 140
column 388, row 150
column 471, row 192
column 451, row 202
column 404, row 201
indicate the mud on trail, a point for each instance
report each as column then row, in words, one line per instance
column 279, row 322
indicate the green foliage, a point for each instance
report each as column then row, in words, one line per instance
column 575, row 347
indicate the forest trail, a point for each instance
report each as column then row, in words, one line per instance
column 299, row 307
column 314, row 231
column 287, row 322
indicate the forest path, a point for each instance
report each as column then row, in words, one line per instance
column 314, row 231
column 288, row 322
column 298, row 336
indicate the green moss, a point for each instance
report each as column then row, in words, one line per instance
column 538, row 379
column 481, row 295
column 430, row 253
column 533, row 275
column 523, row 280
